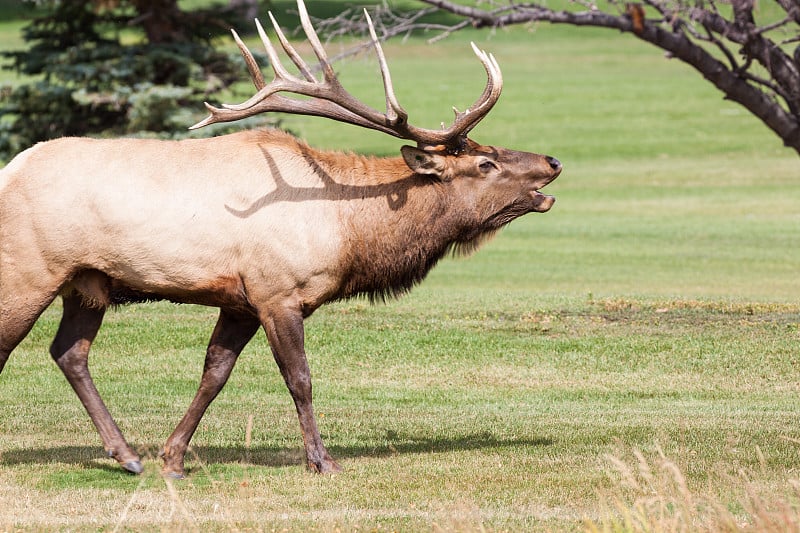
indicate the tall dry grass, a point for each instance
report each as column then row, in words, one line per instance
column 653, row 495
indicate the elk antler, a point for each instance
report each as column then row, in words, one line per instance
column 329, row 99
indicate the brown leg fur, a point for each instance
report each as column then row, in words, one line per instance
column 70, row 350
column 230, row 336
column 285, row 333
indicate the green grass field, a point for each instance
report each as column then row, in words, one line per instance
column 632, row 353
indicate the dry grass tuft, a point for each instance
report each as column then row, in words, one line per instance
column 654, row 496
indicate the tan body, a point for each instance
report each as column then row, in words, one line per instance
column 256, row 223
column 177, row 220
column 186, row 225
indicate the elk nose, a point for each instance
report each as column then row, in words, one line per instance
column 554, row 163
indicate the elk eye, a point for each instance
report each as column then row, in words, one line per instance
column 487, row 165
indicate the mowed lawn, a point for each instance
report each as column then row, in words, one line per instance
column 632, row 353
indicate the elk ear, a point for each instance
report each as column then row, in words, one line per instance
column 426, row 162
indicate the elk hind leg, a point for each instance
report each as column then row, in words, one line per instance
column 19, row 310
column 70, row 349
column 15, row 323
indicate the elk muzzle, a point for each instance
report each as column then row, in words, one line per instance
column 543, row 202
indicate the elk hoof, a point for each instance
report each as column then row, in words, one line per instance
column 134, row 467
column 173, row 468
column 325, row 466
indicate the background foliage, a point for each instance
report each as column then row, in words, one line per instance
column 91, row 72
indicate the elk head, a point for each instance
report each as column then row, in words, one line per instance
column 523, row 172
column 445, row 154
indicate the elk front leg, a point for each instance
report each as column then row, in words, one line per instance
column 231, row 334
column 70, row 350
column 286, row 338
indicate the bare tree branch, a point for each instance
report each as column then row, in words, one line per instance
column 680, row 28
column 724, row 49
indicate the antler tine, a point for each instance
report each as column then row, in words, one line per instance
column 316, row 45
column 277, row 67
column 494, row 76
column 250, row 61
column 288, row 48
column 272, row 54
column 394, row 111
column 212, row 118
column 468, row 119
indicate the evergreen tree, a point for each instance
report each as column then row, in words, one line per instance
column 114, row 67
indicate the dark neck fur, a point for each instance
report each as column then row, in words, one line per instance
column 397, row 238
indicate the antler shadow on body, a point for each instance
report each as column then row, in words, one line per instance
column 395, row 192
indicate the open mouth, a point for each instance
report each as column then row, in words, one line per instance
column 542, row 202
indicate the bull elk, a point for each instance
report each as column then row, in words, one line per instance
column 256, row 223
